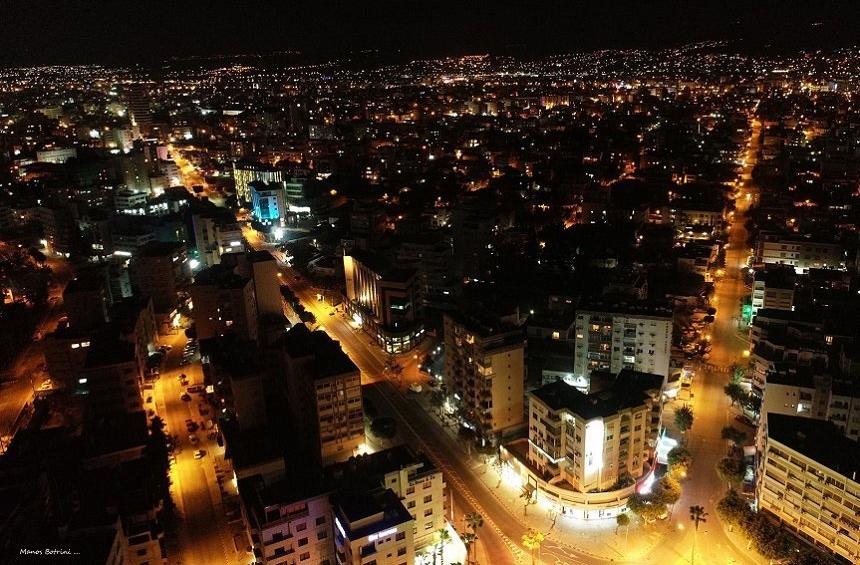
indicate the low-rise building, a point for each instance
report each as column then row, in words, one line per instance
column 373, row 528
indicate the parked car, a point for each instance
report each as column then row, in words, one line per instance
column 415, row 387
column 185, row 396
column 200, row 454
column 193, row 439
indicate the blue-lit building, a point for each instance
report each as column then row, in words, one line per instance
column 268, row 201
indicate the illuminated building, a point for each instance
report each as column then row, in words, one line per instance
column 138, row 104
column 773, row 287
column 244, row 173
column 215, row 235
column 56, row 155
column 224, row 303
column 268, row 202
column 485, row 371
column 593, row 441
column 323, row 387
column 111, row 377
column 613, row 337
column 288, row 521
column 373, row 527
column 383, row 300
column 808, row 480
column 414, row 479
column 130, row 202
column 801, row 253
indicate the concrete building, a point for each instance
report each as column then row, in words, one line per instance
column 802, row 254
column 594, row 441
column 224, row 303
column 57, row 155
column 138, row 105
column 375, row 528
column 244, row 173
column 383, row 300
column 289, row 522
column 156, row 270
column 110, row 380
column 616, row 336
column 808, row 480
column 268, row 202
column 85, row 300
column 773, row 287
column 323, row 387
column 414, row 479
column 214, row 236
column 485, row 371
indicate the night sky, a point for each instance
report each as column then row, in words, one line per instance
column 148, row 31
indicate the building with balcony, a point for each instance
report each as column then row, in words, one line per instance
column 323, row 388
column 800, row 253
column 373, row 528
column 596, row 441
column 156, row 271
column 773, row 288
column 808, row 480
column 224, row 303
column 616, row 336
column 414, row 479
column 383, row 300
column 485, row 371
column 288, row 521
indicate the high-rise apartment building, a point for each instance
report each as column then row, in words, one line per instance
column 773, row 287
column 808, row 480
column 156, row 270
column 616, row 336
column 224, row 303
column 323, row 387
column 485, row 371
column 138, row 104
column 593, row 441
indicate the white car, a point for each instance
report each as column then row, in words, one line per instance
column 415, row 387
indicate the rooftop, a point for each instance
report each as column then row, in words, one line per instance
column 328, row 357
column 819, row 440
column 626, row 390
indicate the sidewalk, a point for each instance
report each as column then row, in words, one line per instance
column 593, row 537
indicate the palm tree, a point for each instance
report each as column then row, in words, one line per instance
column 528, row 496
column 697, row 515
column 532, row 540
column 473, row 522
column 444, row 537
column 623, row 520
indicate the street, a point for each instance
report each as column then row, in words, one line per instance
column 203, row 534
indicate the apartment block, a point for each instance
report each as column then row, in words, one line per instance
column 485, row 371
column 807, row 479
column 593, row 441
column 414, row 479
column 800, row 253
column 616, row 336
column 375, row 528
column 224, row 303
column 323, row 387
column 774, row 288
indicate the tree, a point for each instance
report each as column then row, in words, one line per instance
column 473, row 522
column 734, row 435
column 731, row 470
column 469, row 539
column 532, row 541
column 528, row 495
column 736, row 392
column 752, row 403
column 680, row 457
column 684, row 418
column 442, row 537
column 621, row 521
column 668, row 490
column 732, row 508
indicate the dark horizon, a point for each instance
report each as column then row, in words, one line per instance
column 124, row 32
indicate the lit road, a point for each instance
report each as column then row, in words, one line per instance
column 191, row 176
column 28, row 367
column 711, row 407
column 203, row 535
